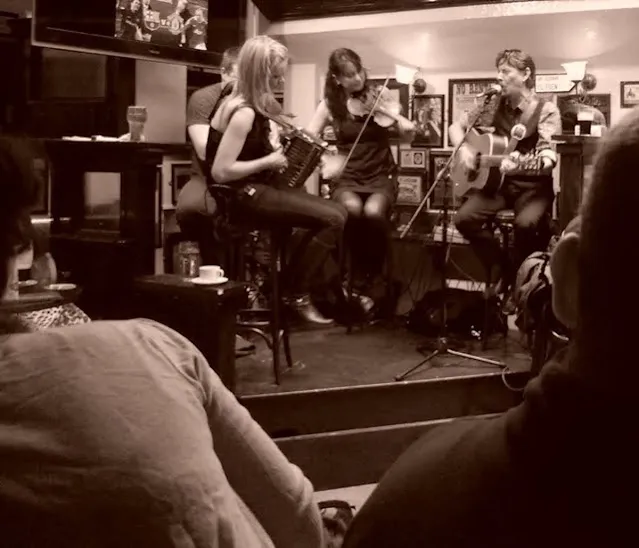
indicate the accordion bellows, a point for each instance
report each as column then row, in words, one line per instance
column 303, row 152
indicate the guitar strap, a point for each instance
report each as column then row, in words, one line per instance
column 528, row 119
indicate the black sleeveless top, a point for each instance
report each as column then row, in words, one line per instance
column 257, row 144
column 371, row 157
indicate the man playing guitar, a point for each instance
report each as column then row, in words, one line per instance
column 528, row 193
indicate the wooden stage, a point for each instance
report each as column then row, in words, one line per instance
column 341, row 417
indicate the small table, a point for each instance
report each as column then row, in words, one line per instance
column 204, row 314
column 34, row 301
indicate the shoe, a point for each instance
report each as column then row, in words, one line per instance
column 243, row 347
column 306, row 311
column 363, row 301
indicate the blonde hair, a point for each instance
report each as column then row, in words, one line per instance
column 256, row 62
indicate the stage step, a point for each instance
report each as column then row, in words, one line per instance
column 354, row 457
column 335, row 409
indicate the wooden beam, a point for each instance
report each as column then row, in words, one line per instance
column 354, row 457
column 334, row 409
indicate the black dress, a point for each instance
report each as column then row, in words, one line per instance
column 371, row 168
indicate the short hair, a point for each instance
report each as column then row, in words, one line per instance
column 229, row 59
column 520, row 60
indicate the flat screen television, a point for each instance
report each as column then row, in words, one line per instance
column 190, row 32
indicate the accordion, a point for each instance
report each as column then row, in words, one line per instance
column 303, row 152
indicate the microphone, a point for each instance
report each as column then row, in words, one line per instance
column 494, row 89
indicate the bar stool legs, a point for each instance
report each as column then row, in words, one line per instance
column 279, row 322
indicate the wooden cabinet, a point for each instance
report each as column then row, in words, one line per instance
column 577, row 154
column 104, row 199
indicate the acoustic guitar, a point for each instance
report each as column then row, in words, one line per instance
column 490, row 150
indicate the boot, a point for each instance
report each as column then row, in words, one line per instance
column 306, row 311
column 364, row 301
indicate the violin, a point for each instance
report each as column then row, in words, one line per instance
column 384, row 106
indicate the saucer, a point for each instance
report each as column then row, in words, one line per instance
column 61, row 287
column 202, row 281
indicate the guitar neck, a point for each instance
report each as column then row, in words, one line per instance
column 494, row 160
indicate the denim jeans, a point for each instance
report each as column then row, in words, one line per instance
column 320, row 225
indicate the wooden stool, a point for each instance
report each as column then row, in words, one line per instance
column 387, row 273
column 493, row 309
column 233, row 233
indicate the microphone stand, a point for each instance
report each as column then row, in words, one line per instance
column 442, row 346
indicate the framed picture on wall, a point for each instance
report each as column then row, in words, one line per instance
column 410, row 189
column 412, row 158
column 569, row 105
column 180, row 175
column 438, row 159
column 428, row 115
column 462, row 96
column 629, row 94
column 398, row 91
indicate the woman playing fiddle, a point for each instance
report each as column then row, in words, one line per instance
column 366, row 185
column 240, row 153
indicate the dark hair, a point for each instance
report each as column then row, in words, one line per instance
column 520, row 60
column 19, row 186
column 229, row 58
column 606, row 257
column 334, row 94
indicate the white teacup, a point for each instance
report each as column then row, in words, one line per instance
column 211, row 273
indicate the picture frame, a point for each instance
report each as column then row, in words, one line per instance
column 413, row 158
column 410, row 189
column 399, row 91
column 568, row 104
column 180, row 175
column 463, row 96
column 438, row 159
column 428, row 114
column 629, row 94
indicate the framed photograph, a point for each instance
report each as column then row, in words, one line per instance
column 629, row 94
column 328, row 134
column 428, row 115
column 569, row 105
column 438, row 159
column 410, row 189
column 462, row 96
column 398, row 91
column 180, row 175
column 412, row 158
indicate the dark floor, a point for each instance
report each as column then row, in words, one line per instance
column 332, row 358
